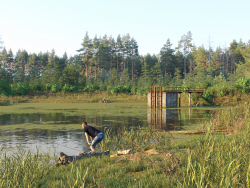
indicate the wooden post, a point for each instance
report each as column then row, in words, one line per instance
column 179, row 99
column 189, row 114
column 189, row 99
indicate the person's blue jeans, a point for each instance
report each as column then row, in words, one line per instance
column 97, row 139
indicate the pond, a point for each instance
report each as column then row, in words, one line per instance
column 56, row 127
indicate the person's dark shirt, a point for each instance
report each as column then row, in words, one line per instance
column 92, row 131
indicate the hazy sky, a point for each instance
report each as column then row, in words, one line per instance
column 43, row 25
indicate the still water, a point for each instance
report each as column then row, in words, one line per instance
column 57, row 127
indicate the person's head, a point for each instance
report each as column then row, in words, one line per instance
column 84, row 124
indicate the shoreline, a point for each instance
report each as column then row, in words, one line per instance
column 97, row 97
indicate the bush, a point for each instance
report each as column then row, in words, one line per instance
column 127, row 88
column 5, row 88
column 221, row 90
column 204, row 85
column 20, row 88
column 210, row 91
column 243, row 85
column 36, row 87
column 184, row 87
column 194, row 97
column 134, row 89
column 48, row 86
column 55, row 88
column 69, row 88
column 207, row 97
column 102, row 88
column 143, row 90
column 91, row 88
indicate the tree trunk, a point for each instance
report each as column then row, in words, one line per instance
column 65, row 159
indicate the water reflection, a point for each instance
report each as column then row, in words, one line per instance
column 176, row 118
column 55, row 138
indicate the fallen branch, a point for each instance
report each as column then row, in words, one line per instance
column 65, row 159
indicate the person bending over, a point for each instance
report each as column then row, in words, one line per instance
column 95, row 135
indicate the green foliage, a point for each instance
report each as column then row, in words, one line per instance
column 143, row 90
column 221, row 90
column 55, row 88
column 210, row 91
column 204, row 85
column 20, row 88
column 24, row 169
column 103, row 62
column 91, row 88
column 35, row 87
column 184, row 86
column 134, row 90
column 48, row 86
column 243, row 85
column 5, row 88
column 102, row 87
column 68, row 88
column 119, row 89
column 206, row 97
column 194, row 97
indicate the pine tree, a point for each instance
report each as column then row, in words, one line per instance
column 86, row 53
column 201, row 58
column 21, row 62
column 185, row 45
column 111, row 52
column 177, row 78
column 215, row 61
column 134, row 53
column 118, row 47
column 167, row 58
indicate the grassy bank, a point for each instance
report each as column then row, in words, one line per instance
column 231, row 99
column 80, row 97
column 158, row 160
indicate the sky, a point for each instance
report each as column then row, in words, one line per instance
column 43, row 25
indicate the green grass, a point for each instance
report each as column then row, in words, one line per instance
column 206, row 160
column 78, row 97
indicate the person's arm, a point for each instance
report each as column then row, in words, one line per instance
column 87, row 138
column 91, row 138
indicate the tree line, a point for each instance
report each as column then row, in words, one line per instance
column 114, row 65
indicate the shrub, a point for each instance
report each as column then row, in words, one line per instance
column 204, row 85
column 5, row 88
column 55, row 88
column 243, row 85
column 91, row 88
column 210, row 91
column 114, row 90
column 184, row 87
column 194, row 97
column 127, row 88
column 207, row 97
column 221, row 90
column 48, row 86
column 143, row 90
column 35, row 87
column 20, row 88
column 68, row 88
column 102, row 88
column 134, row 89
